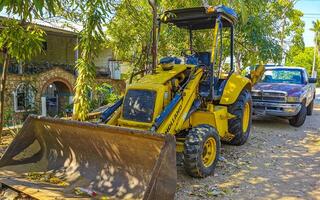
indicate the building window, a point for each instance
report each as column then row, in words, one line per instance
column 24, row 98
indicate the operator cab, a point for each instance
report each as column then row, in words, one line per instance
column 217, row 19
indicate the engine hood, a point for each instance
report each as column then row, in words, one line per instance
column 290, row 89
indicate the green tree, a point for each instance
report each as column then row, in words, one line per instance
column 104, row 95
column 18, row 39
column 289, row 27
column 92, row 14
column 316, row 29
column 257, row 33
column 303, row 58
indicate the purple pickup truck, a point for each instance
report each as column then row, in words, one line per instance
column 285, row 92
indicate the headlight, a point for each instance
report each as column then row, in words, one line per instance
column 255, row 93
column 293, row 99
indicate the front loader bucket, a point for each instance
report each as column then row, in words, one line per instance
column 55, row 159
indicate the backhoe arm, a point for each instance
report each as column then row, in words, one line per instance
column 174, row 115
column 256, row 75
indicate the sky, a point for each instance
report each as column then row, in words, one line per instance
column 311, row 10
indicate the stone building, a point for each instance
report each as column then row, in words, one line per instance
column 46, row 84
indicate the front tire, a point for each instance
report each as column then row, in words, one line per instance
column 310, row 108
column 240, row 125
column 300, row 118
column 201, row 151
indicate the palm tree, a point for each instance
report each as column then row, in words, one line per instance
column 316, row 29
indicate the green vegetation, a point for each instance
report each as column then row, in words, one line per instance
column 309, row 56
column 93, row 14
column 303, row 58
column 18, row 39
column 103, row 95
column 264, row 29
column 316, row 29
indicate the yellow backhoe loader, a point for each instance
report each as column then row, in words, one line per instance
column 131, row 154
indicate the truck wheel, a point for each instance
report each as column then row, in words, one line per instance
column 300, row 118
column 240, row 125
column 310, row 108
column 201, row 151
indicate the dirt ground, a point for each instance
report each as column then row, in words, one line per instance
column 277, row 162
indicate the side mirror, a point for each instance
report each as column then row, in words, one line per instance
column 313, row 80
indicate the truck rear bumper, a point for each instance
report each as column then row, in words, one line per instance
column 276, row 109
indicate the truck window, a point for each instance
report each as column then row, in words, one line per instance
column 289, row 76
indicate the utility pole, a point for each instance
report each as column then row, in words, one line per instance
column 314, row 72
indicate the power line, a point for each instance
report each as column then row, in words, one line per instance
column 311, row 14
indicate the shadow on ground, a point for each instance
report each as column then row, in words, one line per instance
column 278, row 162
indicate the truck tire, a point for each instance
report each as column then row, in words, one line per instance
column 310, row 108
column 300, row 118
column 201, row 151
column 240, row 125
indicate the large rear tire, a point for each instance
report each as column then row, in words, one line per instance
column 201, row 151
column 240, row 125
column 300, row 118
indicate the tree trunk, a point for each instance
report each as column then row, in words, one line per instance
column 3, row 86
column 154, row 35
column 283, row 28
column 238, row 61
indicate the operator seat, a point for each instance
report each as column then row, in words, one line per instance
column 201, row 58
column 204, row 58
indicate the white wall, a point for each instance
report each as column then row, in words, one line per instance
column 103, row 57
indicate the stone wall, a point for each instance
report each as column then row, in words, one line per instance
column 59, row 50
column 118, row 85
column 41, row 81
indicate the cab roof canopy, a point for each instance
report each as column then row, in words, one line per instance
column 200, row 17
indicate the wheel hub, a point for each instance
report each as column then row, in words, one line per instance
column 209, row 152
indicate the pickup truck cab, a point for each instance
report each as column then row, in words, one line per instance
column 285, row 92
